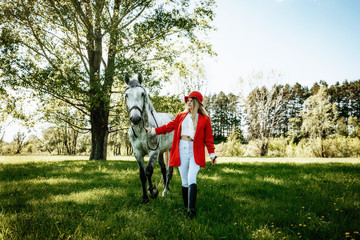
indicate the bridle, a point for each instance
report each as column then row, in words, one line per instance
column 142, row 119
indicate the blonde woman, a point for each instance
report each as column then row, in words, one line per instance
column 192, row 133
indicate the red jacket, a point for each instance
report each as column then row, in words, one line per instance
column 203, row 137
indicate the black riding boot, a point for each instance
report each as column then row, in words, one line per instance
column 185, row 195
column 192, row 200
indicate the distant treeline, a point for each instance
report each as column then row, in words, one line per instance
column 284, row 120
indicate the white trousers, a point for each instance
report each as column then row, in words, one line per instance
column 188, row 168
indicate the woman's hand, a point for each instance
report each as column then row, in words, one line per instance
column 213, row 161
column 148, row 130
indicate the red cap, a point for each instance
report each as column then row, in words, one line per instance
column 196, row 95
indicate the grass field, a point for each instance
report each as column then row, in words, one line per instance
column 44, row 197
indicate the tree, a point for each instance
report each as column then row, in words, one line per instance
column 354, row 126
column 224, row 111
column 298, row 94
column 318, row 117
column 74, row 51
column 19, row 142
column 265, row 112
column 346, row 97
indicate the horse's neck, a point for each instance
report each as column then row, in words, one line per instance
column 148, row 115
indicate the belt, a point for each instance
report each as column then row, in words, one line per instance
column 186, row 138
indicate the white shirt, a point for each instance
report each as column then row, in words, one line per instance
column 187, row 126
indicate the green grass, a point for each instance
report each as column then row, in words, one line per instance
column 55, row 198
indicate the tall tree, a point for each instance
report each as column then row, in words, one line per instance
column 298, row 95
column 224, row 110
column 265, row 112
column 74, row 51
column 318, row 116
column 346, row 97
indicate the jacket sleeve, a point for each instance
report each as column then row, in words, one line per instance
column 166, row 128
column 209, row 139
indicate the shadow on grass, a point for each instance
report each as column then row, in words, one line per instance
column 102, row 200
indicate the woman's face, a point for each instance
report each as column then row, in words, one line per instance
column 189, row 103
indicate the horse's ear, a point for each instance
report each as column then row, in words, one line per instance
column 127, row 78
column 140, row 78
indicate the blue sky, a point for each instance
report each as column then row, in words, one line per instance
column 304, row 40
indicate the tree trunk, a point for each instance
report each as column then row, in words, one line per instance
column 264, row 147
column 99, row 134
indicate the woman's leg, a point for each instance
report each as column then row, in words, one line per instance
column 193, row 170
column 184, row 169
column 184, row 162
column 192, row 174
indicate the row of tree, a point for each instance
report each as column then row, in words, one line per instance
column 298, row 112
column 293, row 112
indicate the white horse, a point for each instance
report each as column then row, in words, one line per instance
column 142, row 114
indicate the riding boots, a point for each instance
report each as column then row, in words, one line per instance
column 192, row 200
column 185, row 195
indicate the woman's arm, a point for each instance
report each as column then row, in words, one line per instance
column 163, row 129
column 209, row 139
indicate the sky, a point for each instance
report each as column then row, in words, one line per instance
column 304, row 40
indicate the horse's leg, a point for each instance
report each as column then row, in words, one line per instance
column 163, row 171
column 149, row 172
column 169, row 174
column 140, row 161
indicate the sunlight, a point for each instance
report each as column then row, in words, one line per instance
column 52, row 181
column 231, row 170
column 273, row 180
column 91, row 196
column 214, row 178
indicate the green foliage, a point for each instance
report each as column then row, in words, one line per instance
column 168, row 104
column 225, row 114
column 318, row 115
column 354, row 125
column 79, row 199
column 73, row 54
column 232, row 147
column 346, row 97
column 294, row 133
column 341, row 127
column 277, row 147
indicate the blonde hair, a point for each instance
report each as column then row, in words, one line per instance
column 196, row 108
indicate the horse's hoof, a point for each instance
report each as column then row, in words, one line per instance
column 154, row 193
column 145, row 201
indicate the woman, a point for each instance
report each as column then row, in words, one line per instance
column 192, row 132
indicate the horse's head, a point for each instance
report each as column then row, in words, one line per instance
column 135, row 98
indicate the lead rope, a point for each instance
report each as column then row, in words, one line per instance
column 207, row 168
